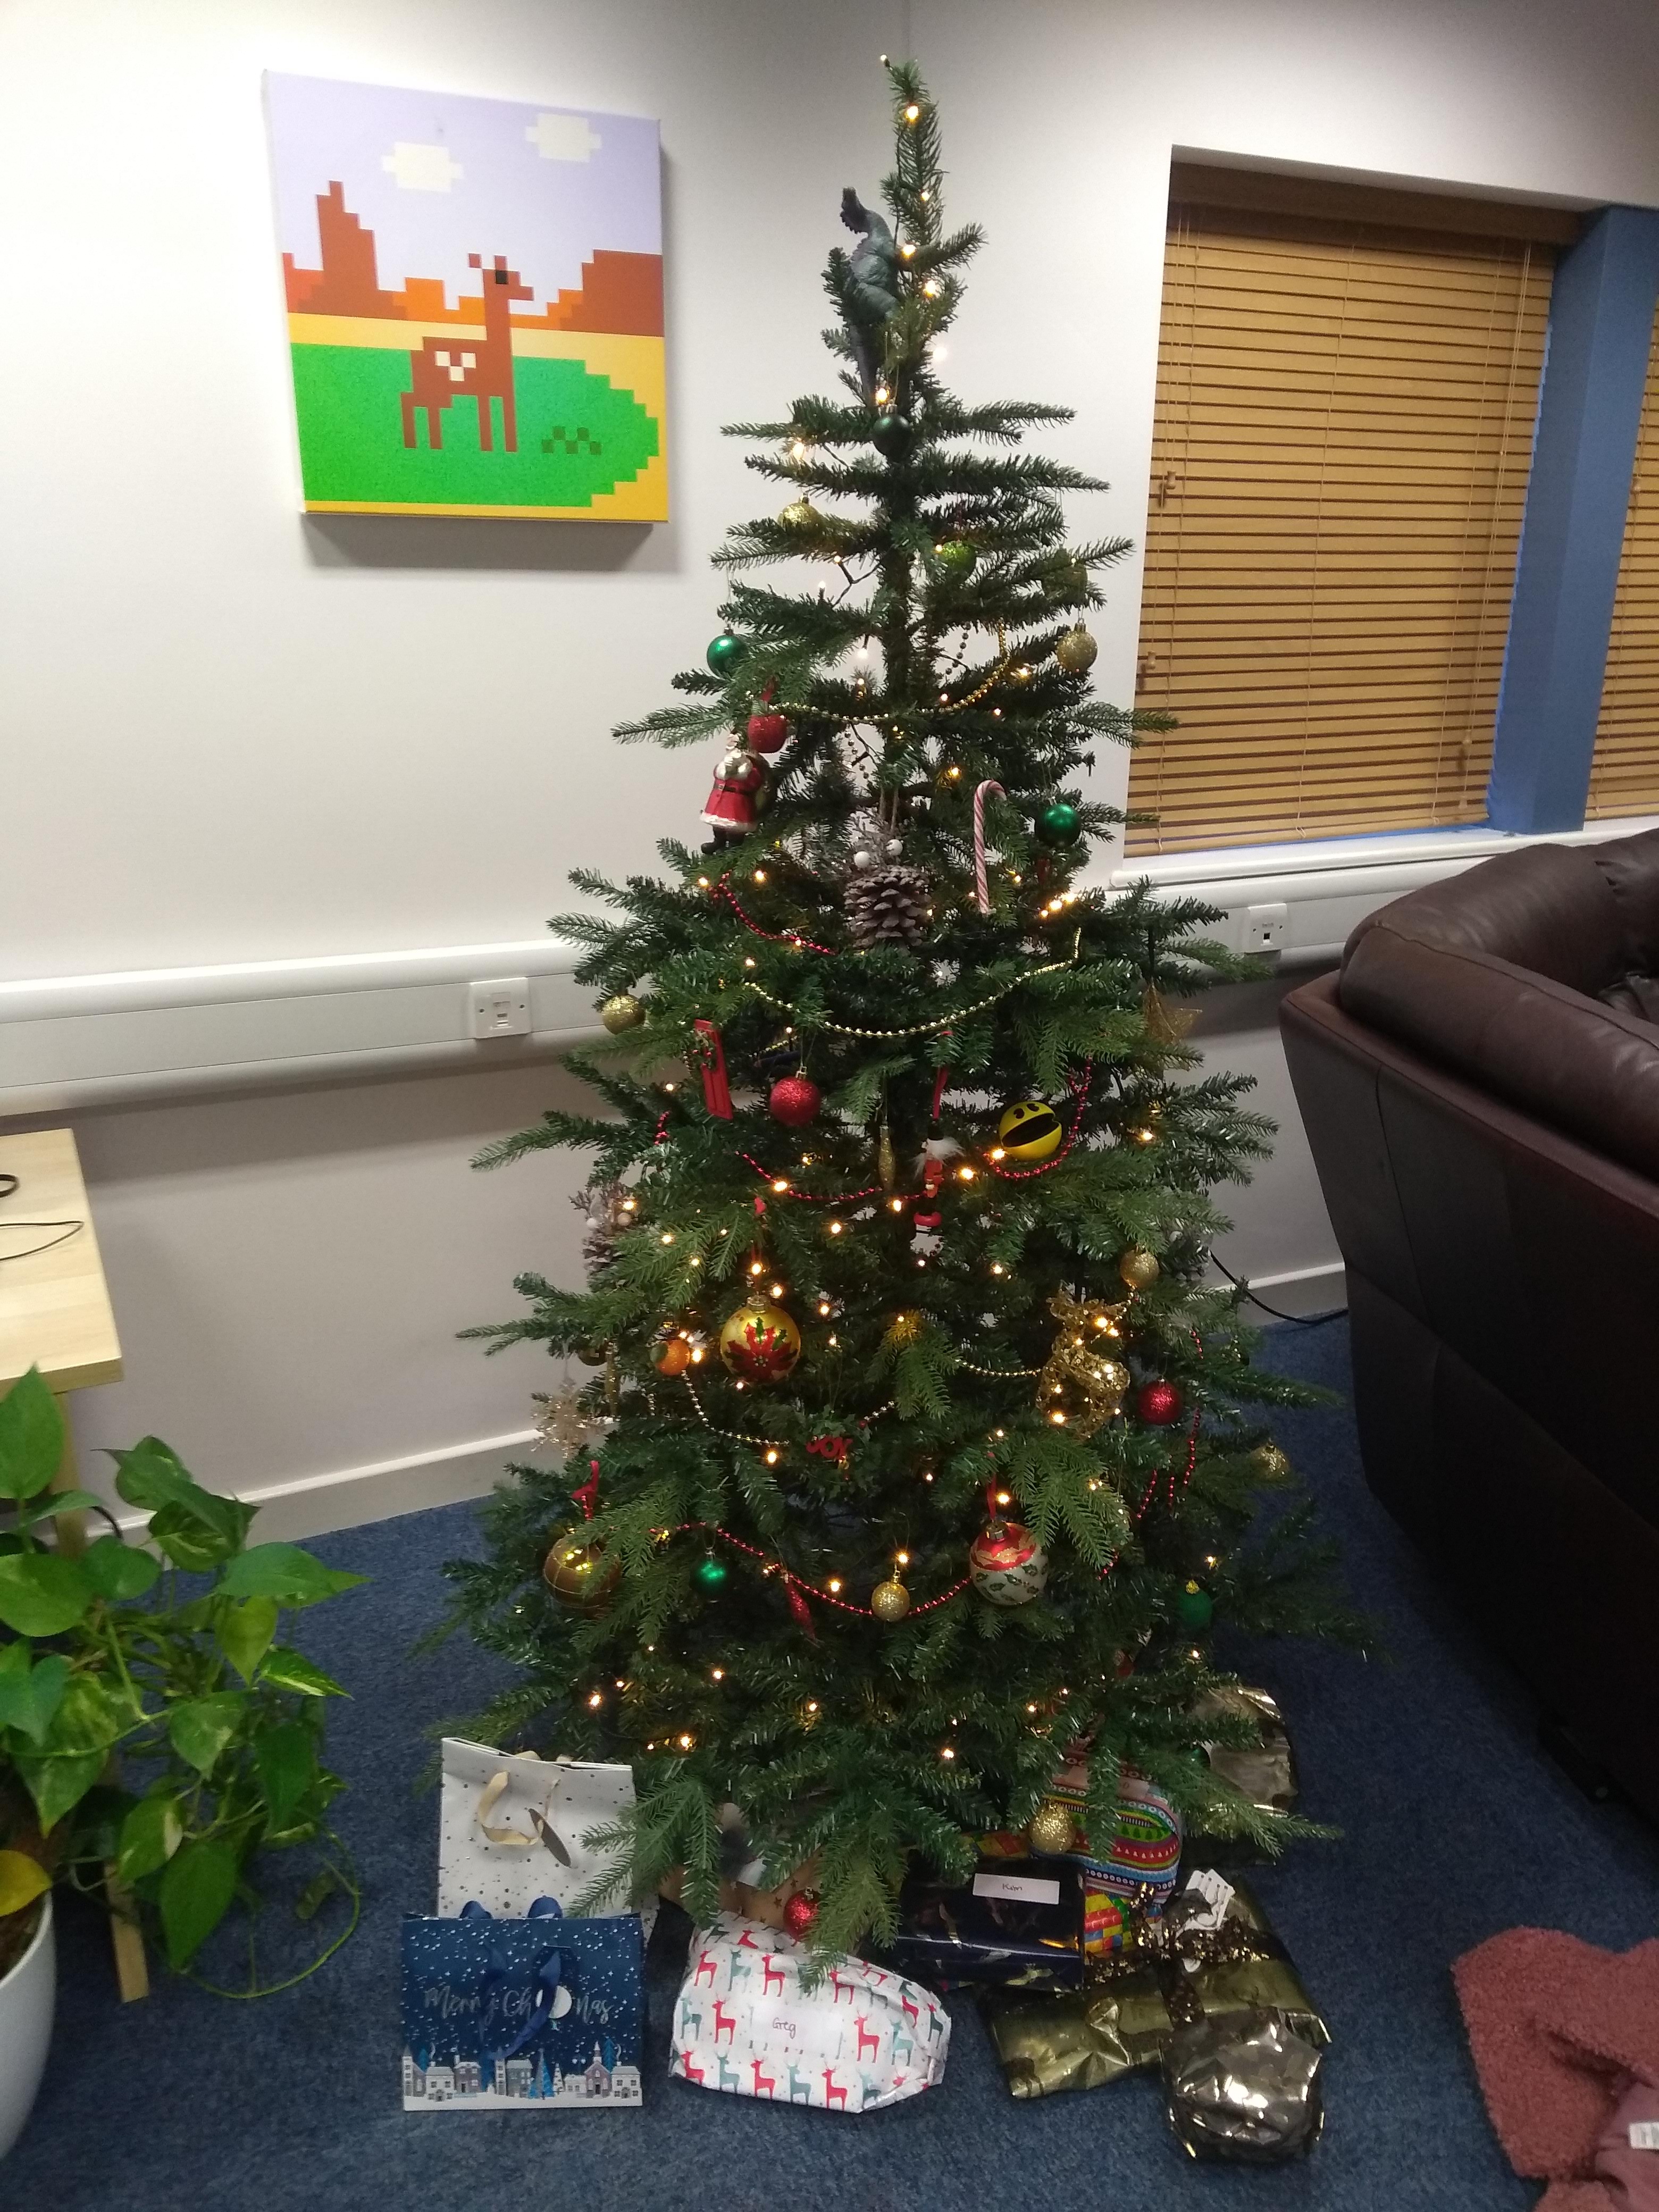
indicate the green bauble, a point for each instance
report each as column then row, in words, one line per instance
column 725, row 652
column 890, row 433
column 711, row 1572
column 1060, row 825
column 1194, row 1609
column 956, row 558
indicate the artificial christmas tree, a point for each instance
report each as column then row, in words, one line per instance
column 918, row 1432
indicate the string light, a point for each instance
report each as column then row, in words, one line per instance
column 833, row 1585
column 911, row 114
column 760, row 875
column 777, row 1290
column 837, row 1227
column 780, row 1185
column 687, row 1742
column 717, row 1673
column 596, row 1699
column 945, row 1752
column 667, row 1235
column 757, row 1267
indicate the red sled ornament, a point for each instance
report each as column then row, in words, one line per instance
column 709, row 1058
column 733, row 805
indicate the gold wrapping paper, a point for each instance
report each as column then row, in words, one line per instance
column 1083, row 2038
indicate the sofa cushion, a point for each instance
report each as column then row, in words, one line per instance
column 1495, row 973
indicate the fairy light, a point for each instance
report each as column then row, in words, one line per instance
column 837, row 1227
column 907, row 252
column 824, row 1307
column 687, row 1742
column 931, row 289
column 669, row 1086
column 1057, row 1417
column 812, row 1705
column 998, row 1153
column 777, row 1290
column 834, row 1339
column 965, row 1175
column 946, row 1750
column 667, row 1235
column 1004, row 1497
column 997, row 1267
column 717, row 1673
column 759, row 876
column 771, row 1459
column 799, row 451
column 696, row 1355
column 780, row 1183
column 757, row 1267
column 882, row 395
column 902, row 1558
column 748, row 959
column 596, row 1699
column 912, row 114
column 1030, row 1709
column 896, row 1205
column 702, row 883
column 629, row 1205
column 954, row 774
column 833, row 1585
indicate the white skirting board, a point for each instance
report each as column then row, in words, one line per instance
column 317, row 1505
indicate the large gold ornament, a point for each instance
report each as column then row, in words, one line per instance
column 1138, row 1268
column 760, row 1344
column 623, row 1012
column 577, row 1573
column 1082, row 1385
column 1007, row 1565
column 1076, row 651
column 889, row 1601
column 1051, row 1827
column 1271, row 1464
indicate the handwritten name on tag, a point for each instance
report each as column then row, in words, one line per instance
column 1021, row 1889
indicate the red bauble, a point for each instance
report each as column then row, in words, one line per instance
column 1157, row 1404
column 768, row 733
column 794, row 1101
column 800, row 1911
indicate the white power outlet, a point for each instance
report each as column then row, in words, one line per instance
column 1265, row 928
column 500, row 1007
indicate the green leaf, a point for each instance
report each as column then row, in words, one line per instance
column 57, row 1783
column 151, row 1834
column 190, row 1539
column 91, row 1716
column 151, row 1474
column 31, row 1437
column 197, row 1884
column 287, row 1762
column 245, row 1632
column 291, row 1670
column 200, row 1727
column 29, row 1695
column 46, row 1502
column 288, row 1574
column 41, row 1595
column 117, row 1570
column 22, row 1881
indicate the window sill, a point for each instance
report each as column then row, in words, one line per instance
column 1326, row 887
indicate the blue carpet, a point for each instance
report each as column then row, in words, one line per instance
column 1455, row 1826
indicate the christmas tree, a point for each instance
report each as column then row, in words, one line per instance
column 920, row 1458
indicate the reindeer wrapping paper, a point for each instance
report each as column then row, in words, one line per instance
column 504, row 1847
column 745, row 2021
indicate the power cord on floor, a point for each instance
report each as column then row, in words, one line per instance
column 1301, row 1320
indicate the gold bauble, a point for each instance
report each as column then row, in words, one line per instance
column 1051, row 1827
column 623, row 1012
column 889, row 1601
column 1076, row 651
column 1138, row 1268
column 1271, row 1464
column 577, row 1573
column 760, row 1344
column 801, row 514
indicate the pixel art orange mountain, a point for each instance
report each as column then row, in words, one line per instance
column 515, row 366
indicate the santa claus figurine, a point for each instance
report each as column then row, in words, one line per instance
column 734, row 802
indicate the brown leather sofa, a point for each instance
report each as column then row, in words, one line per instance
column 1480, row 1086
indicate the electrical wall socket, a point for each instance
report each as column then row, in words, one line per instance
column 1265, row 928
column 500, row 1007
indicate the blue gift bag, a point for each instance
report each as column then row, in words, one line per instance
column 508, row 2014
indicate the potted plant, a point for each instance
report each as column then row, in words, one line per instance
column 155, row 1734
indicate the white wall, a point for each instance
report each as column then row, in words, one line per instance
column 233, row 733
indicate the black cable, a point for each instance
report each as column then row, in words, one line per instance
column 1301, row 1320
column 68, row 1227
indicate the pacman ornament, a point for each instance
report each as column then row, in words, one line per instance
column 577, row 1572
column 622, row 1013
column 1007, row 1565
column 1030, row 1132
column 760, row 1344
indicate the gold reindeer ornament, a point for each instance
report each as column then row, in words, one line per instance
column 1083, row 1384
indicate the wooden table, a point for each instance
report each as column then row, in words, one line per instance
column 55, row 1315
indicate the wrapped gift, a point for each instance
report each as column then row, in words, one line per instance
column 1018, row 1923
column 504, row 2014
column 1137, row 1864
column 1244, row 2087
column 1210, row 1955
column 512, row 1828
column 747, row 2020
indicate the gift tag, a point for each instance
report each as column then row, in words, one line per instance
column 1217, row 1893
column 1022, row 1889
column 1644, row 2135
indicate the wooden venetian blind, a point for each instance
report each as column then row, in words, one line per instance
column 1344, row 423
column 1625, row 775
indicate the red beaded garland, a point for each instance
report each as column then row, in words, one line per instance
column 795, row 1101
column 1157, row 1404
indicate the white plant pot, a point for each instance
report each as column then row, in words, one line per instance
column 26, row 1997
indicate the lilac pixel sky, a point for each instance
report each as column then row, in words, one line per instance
column 546, row 215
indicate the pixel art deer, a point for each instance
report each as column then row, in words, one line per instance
column 479, row 369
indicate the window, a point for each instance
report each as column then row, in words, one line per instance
column 1625, row 775
column 1344, row 422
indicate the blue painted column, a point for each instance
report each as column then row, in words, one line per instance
column 1589, row 408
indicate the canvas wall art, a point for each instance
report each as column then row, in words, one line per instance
column 474, row 293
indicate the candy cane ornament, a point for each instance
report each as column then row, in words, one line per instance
column 982, row 886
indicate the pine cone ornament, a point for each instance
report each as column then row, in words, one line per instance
column 607, row 1211
column 887, row 905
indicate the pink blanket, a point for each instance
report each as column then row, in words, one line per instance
column 1565, row 2040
